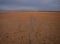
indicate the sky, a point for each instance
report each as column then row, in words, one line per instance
column 53, row 5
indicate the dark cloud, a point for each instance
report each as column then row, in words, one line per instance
column 30, row 4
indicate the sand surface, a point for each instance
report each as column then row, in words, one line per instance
column 30, row 28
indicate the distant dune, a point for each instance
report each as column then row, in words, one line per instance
column 29, row 27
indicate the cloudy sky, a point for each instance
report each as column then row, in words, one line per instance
column 29, row 5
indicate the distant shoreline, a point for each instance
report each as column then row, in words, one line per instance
column 27, row 11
